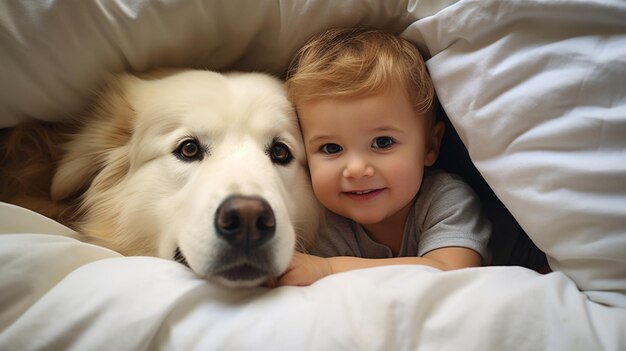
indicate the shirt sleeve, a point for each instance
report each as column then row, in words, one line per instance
column 449, row 214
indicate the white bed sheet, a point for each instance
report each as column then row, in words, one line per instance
column 68, row 295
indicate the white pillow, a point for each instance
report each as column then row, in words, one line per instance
column 537, row 92
column 54, row 52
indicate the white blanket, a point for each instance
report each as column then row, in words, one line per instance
column 535, row 89
column 59, row 293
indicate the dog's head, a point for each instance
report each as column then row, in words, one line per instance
column 205, row 168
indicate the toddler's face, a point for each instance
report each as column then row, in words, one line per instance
column 366, row 155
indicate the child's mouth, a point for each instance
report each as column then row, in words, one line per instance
column 363, row 194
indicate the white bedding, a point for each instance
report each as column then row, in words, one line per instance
column 59, row 293
column 535, row 89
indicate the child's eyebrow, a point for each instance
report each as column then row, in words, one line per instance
column 318, row 138
column 387, row 129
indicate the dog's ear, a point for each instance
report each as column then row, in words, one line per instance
column 100, row 143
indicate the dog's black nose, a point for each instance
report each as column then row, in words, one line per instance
column 245, row 221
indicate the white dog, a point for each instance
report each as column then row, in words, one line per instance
column 197, row 166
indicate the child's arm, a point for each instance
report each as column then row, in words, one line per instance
column 306, row 269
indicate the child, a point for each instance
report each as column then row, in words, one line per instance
column 365, row 106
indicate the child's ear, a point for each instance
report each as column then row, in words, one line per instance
column 434, row 145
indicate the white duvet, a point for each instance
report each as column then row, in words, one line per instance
column 59, row 293
column 535, row 89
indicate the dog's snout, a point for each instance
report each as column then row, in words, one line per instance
column 245, row 221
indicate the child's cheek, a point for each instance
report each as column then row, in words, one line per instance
column 323, row 181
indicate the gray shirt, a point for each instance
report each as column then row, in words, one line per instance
column 446, row 212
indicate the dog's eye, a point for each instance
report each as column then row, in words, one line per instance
column 279, row 153
column 189, row 150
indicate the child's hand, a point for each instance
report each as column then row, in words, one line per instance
column 304, row 270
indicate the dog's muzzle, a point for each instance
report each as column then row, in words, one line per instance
column 245, row 224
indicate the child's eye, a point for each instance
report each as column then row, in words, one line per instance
column 382, row 142
column 330, row 148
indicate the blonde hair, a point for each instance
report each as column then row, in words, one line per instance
column 350, row 62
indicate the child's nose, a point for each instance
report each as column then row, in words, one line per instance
column 358, row 167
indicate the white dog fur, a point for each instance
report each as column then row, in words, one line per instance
column 140, row 196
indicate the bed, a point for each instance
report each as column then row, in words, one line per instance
column 535, row 90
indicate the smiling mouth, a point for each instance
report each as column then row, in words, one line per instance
column 364, row 194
